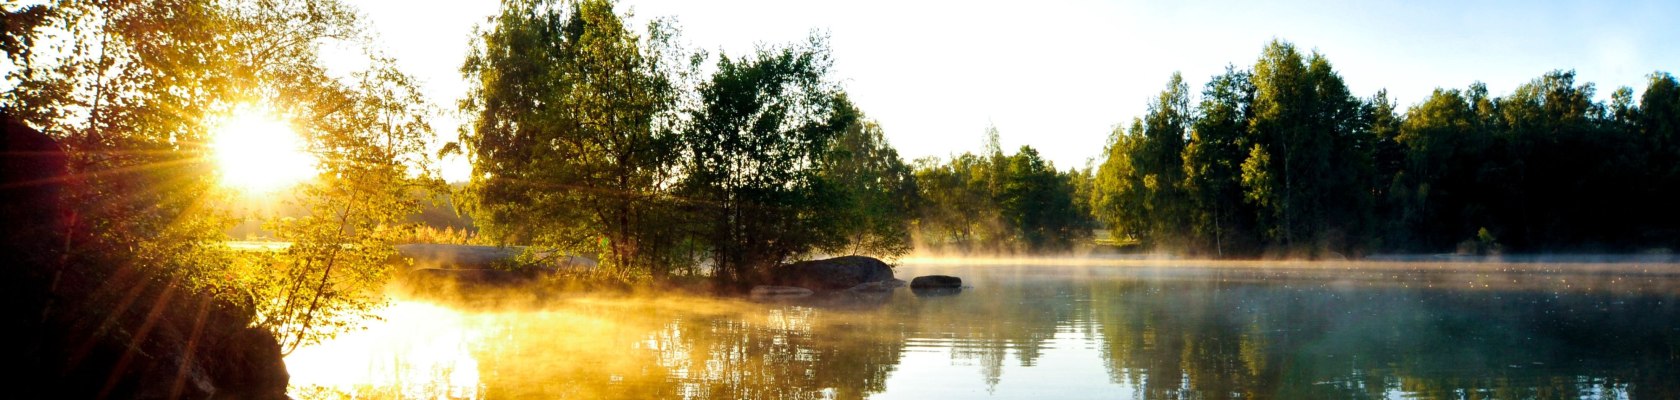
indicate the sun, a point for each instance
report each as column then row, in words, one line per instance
column 258, row 153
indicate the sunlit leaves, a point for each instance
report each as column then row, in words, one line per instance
column 133, row 88
column 571, row 137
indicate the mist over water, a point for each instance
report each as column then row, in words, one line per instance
column 1055, row 328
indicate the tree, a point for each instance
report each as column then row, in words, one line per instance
column 572, row 131
column 1002, row 203
column 1314, row 188
column 1439, row 185
column 1038, row 203
column 1657, row 121
column 1119, row 199
column 879, row 192
column 1388, row 159
column 134, row 96
column 956, row 207
column 1213, row 165
column 1148, row 196
column 371, row 142
column 115, row 98
column 755, row 148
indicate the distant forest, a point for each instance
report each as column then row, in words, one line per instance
column 1282, row 158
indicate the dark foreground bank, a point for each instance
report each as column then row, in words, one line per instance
column 82, row 324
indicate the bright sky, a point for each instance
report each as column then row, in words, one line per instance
column 1060, row 74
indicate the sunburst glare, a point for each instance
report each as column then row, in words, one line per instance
column 258, row 153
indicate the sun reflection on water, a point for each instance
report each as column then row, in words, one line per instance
column 1037, row 332
column 420, row 350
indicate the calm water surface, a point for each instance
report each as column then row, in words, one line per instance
column 1055, row 330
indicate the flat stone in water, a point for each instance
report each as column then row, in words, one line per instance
column 936, row 282
column 779, row 292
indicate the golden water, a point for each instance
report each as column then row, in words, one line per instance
column 1041, row 329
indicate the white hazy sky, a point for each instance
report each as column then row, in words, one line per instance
column 1060, row 74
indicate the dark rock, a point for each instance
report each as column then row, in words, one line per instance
column 778, row 292
column 878, row 286
column 33, row 173
column 839, row 273
column 936, row 282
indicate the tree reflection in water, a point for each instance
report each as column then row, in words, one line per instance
column 1213, row 333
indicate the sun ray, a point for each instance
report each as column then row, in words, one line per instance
column 256, row 152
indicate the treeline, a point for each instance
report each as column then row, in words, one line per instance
column 1282, row 158
column 592, row 137
column 997, row 203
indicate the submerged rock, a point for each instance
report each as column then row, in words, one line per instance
column 936, row 282
column 877, row 286
column 779, row 292
column 839, row 273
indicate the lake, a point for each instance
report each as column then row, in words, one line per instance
column 1056, row 329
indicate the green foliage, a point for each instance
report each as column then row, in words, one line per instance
column 957, row 210
column 1214, row 162
column 1120, row 198
column 572, row 137
column 1317, row 191
column 1283, row 159
column 591, row 139
column 1037, row 202
column 879, row 189
column 1001, row 203
column 116, row 99
column 755, row 149
column 18, row 25
column 332, row 276
column 1149, row 200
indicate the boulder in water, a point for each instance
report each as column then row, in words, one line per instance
column 936, row 282
column 839, row 273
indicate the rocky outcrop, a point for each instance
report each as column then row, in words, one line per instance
column 89, row 324
column 839, row 273
column 936, row 282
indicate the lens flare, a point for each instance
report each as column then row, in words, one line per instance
column 258, row 153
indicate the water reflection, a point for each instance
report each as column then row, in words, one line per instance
column 1041, row 332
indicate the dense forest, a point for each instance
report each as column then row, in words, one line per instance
column 1281, row 158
